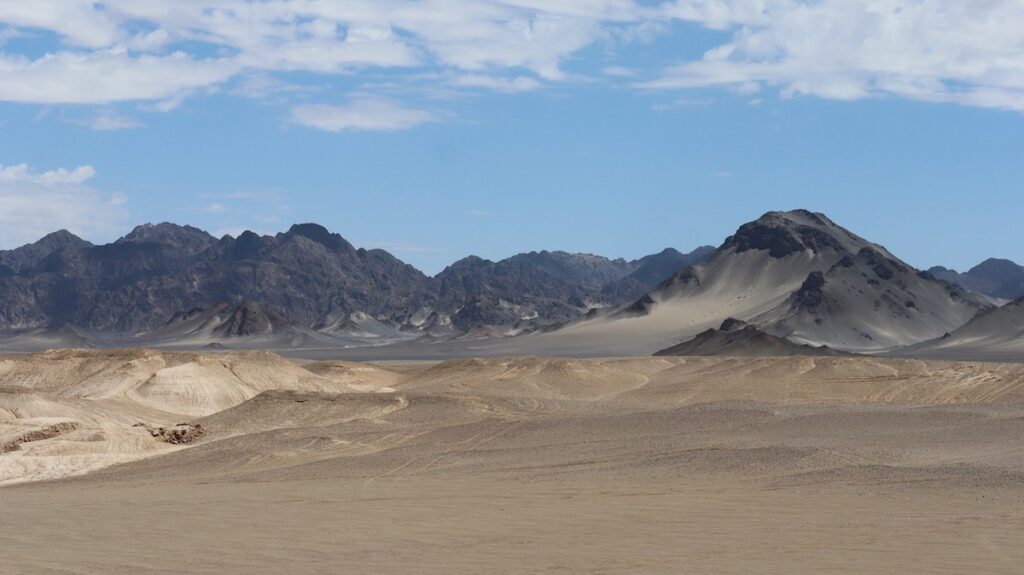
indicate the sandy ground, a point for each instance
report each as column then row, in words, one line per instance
column 522, row 465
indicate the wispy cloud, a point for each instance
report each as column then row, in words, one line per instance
column 163, row 51
column 937, row 51
column 362, row 114
column 108, row 122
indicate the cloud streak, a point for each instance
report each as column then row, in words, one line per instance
column 363, row 114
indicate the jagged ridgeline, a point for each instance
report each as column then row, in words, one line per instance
column 166, row 277
column 799, row 282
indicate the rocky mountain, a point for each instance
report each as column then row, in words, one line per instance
column 997, row 278
column 140, row 281
column 800, row 276
column 525, row 289
column 541, row 289
column 738, row 338
column 16, row 260
column 313, row 278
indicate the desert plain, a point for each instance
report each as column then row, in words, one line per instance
column 508, row 465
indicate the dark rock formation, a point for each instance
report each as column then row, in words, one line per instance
column 735, row 338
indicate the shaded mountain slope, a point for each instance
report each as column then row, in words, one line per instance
column 993, row 334
column 138, row 282
column 793, row 274
column 649, row 271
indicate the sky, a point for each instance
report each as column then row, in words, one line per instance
column 436, row 129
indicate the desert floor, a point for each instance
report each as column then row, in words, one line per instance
column 524, row 465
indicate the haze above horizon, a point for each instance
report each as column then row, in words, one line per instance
column 437, row 129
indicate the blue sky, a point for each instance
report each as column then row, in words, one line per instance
column 441, row 128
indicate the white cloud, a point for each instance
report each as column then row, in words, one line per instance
column 21, row 173
column 109, row 121
column 162, row 51
column 124, row 49
column 105, row 76
column 77, row 21
column 971, row 53
column 33, row 204
column 360, row 115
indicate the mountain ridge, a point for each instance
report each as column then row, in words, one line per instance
column 316, row 278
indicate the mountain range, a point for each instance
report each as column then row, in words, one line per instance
column 787, row 283
column 314, row 278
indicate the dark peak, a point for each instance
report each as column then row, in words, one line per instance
column 798, row 216
column 996, row 269
column 670, row 252
column 62, row 238
column 168, row 234
column 785, row 233
column 30, row 255
column 320, row 235
column 466, row 264
column 54, row 241
column 246, row 246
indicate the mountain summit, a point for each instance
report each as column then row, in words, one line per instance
column 800, row 276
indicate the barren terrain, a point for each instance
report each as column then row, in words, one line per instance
column 528, row 464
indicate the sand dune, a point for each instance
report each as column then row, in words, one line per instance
column 538, row 464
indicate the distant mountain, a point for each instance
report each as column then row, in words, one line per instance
column 539, row 289
column 651, row 270
column 996, row 278
column 537, row 286
column 311, row 277
column 140, row 281
column 799, row 276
